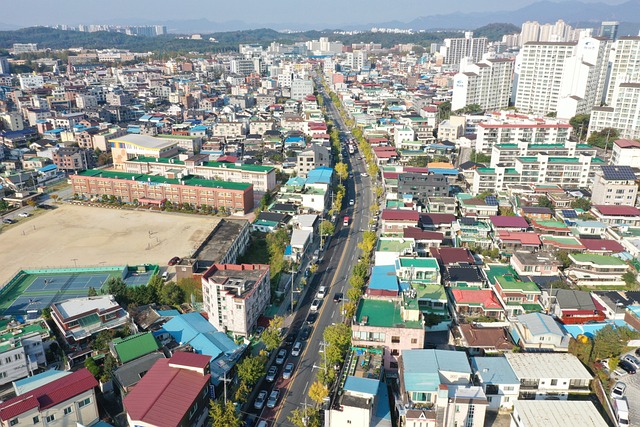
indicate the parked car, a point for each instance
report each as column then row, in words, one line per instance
column 24, row 215
column 273, row 398
column 337, row 297
column 281, row 357
column 174, row 260
column 259, row 330
column 632, row 359
column 322, row 292
column 304, row 335
column 627, row 367
column 617, row 392
column 315, row 304
column 271, row 374
column 364, row 174
column 351, row 202
column 297, row 349
column 290, row 339
column 260, row 400
column 638, row 351
column 8, row 221
column 288, row 371
column 312, row 317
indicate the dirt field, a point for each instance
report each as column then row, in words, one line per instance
column 99, row 236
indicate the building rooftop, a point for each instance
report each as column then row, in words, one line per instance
column 135, row 346
column 558, row 413
column 484, row 297
column 383, row 277
column 422, row 368
column 81, row 306
column 383, row 313
column 595, row 259
column 494, row 370
column 131, row 372
column 393, row 245
column 547, row 365
column 144, row 141
column 511, row 283
column 358, row 385
column 540, row 324
column 25, row 385
column 418, row 262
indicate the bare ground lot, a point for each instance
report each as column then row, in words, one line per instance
column 90, row 236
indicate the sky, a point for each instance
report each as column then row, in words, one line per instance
column 331, row 12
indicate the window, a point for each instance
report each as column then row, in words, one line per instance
column 68, row 410
column 395, row 340
column 554, row 382
column 13, row 422
column 193, row 410
column 50, row 418
column 85, row 402
column 414, row 340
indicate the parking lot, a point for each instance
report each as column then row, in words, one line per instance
column 632, row 394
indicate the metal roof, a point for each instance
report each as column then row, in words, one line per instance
column 494, row 370
column 540, row 324
column 547, row 365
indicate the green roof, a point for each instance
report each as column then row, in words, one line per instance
column 223, row 165
column 148, row 159
column 135, row 346
column 564, row 160
column 545, row 146
column 506, row 145
column 7, row 333
column 432, row 291
column 387, row 245
column 190, row 181
column 531, row 307
column 528, row 159
column 551, row 224
column 564, row 240
column 496, row 270
column 512, row 284
column 176, row 137
column 486, row 170
column 597, row 259
column 419, row 262
column 384, row 314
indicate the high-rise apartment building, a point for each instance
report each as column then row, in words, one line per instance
column 486, row 83
column 533, row 31
column 609, row 30
column 467, row 47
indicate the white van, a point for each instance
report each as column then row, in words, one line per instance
column 165, row 275
column 322, row 292
column 622, row 412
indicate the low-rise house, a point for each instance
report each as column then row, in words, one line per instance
column 441, row 205
column 595, row 270
column 474, row 206
column 383, row 282
column 423, row 239
column 463, row 275
column 440, row 222
column 481, row 340
column 513, row 241
column 602, row 246
column 556, row 228
column 499, row 382
column 22, row 349
column 451, row 256
column 537, row 332
column 517, row 297
column 588, row 229
column 134, row 346
column 69, row 400
column 617, row 215
column 267, row 222
column 383, row 323
column 126, row 376
column 388, row 249
column 508, row 223
column 535, row 264
column 543, row 375
column 536, row 212
column 393, row 221
column 80, row 318
column 556, row 413
column 181, row 384
column 424, row 270
column 474, row 303
column 363, row 402
column 573, row 307
column 561, row 243
column 470, row 232
column 427, row 303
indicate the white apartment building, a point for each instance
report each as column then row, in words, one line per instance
column 300, row 88
column 243, row 67
column 30, row 81
column 12, row 120
column 533, row 31
column 486, row 83
column 625, row 54
column 357, row 60
column 455, row 49
column 576, row 172
column 313, row 157
column 236, row 295
column 506, row 128
column 84, row 102
column 614, row 185
column 622, row 114
column 626, row 152
column 506, row 154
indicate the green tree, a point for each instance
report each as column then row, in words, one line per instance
column 305, row 417
column 223, row 415
column 630, row 279
column 342, row 171
column 327, row 228
column 242, row 392
column 46, row 313
column 338, row 339
column 419, row 161
column 470, row 109
column 102, row 340
column 172, row 294
column 92, row 292
column 357, row 281
column 580, row 124
column 92, row 367
column 272, row 336
column 444, row 110
column 563, row 257
column 480, row 157
column 581, row 203
column 603, row 138
column 117, row 288
column 318, row 392
column 544, row 202
column 251, row 369
column 107, row 368
column 354, row 294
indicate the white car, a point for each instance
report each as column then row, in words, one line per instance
column 351, row 202
column 315, row 304
column 281, row 357
column 364, row 174
column 24, row 214
column 297, row 349
column 617, row 392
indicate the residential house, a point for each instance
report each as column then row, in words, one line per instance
column 363, row 402
column 543, row 375
column 463, row 275
column 602, row 246
column 537, row 332
column 78, row 319
column 268, row 222
column 512, row 241
column 473, row 206
column 596, row 270
column 66, row 401
column 588, row 229
column 476, row 303
column 484, row 339
column 559, row 243
column 383, row 282
column 134, row 346
column 556, row 228
column 508, row 223
column 181, row 384
column 536, row 212
column 573, row 307
column 22, row 349
column 470, row 232
column 499, row 382
column 421, row 187
column 126, row 376
column 440, row 222
column 313, row 157
column 617, row 215
column 614, row 185
column 424, row 270
column 393, row 221
column 73, row 159
column 556, row 413
column 437, row 204
column 427, row 303
column 388, row 249
column 517, row 297
column 535, row 264
column 423, row 239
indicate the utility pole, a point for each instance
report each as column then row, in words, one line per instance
column 293, row 282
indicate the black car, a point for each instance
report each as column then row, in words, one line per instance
column 174, row 260
column 290, row 339
column 45, row 207
column 337, row 297
column 304, row 335
column 638, row 351
column 628, row 367
column 312, row 317
column 8, row 221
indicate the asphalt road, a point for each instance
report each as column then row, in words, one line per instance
column 334, row 271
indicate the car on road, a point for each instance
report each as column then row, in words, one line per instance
column 259, row 330
column 627, row 367
column 312, row 317
column 337, row 297
column 351, row 202
column 272, row 373
column 281, row 357
column 260, row 400
column 291, row 338
column 174, row 260
column 8, row 221
column 617, row 392
column 273, row 398
column 45, row 207
column 297, row 349
column 288, row 371
column 322, row 292
column 304, row 335
column 632, row 359
column 638, row 351
column 364, row 174
column 315, row 304
column 24, row 215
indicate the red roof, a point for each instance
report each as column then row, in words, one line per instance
column 193, row 360
column 415, row 169
column 450, row 256
column 437, row 218
column 418, row 234
column 627, row 143
column 50, row 394
column 600, row 245
column 622, row 210
column 525, row 238
column 508, row 221
column 400, row 215
column 165, row 394
column 485, row 297
column 390, row 175
column 227, row 159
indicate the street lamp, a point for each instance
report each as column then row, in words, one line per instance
column 75, row 262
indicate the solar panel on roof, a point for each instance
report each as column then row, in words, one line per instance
column 468, row 221
column 569, row 213
column 623, row 173
column 491, row 200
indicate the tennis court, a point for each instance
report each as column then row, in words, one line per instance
column 38, row 289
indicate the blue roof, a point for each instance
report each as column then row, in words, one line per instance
column 48, row 168
column 199, row 128
column 30, row 383
column 383, row 410
column 294, row 139
column 591, row 329
column 362, row 385
column 193, row 329
column 540, row 324
column 444, row 171
column 168, row 313
column 384, row 277
column 320, row 175
column 296, row 181
column 422, row 367
column 494, row 370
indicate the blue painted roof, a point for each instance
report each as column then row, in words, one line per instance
column 591, row 328
column 296, row 181
column 540, row 324
column 168, row 313
column 422, row 367
column 443, row 171
column 30, row 383
column 384, row 277
column 199, row 128
column 362, row 385
column 494, row 370
column 48, row 168
column 294, row 139
column 320, row 175
column 383, row 411
column 193, row 329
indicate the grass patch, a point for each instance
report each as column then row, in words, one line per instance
column 257, row 252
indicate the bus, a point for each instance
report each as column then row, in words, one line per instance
column 345, row 223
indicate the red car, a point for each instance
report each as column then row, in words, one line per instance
column 174, row 260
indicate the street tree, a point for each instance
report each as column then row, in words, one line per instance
column 223, row 415
column 318, row 392
column 272, row 336
column 338, row 339
column 580, row 124
column 305, row 417
column 342, row 171
column 251, row 369
column 327, row 228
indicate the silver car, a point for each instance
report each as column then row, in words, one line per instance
column 260, row 400
column 271, row 374
column 281, row 357
column 273, row 398
column 288, row 371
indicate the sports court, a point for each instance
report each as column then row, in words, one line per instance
column 37, row 289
